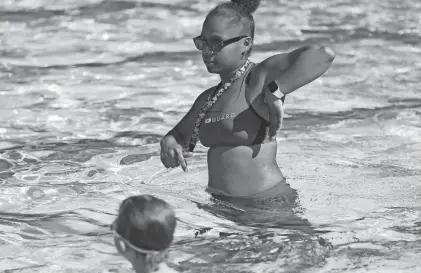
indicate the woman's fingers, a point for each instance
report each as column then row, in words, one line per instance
column 174, row 157
column 168, row 160
column 164, row 160
column 187, row 154
column 276, row 115
column 272, row 121
column 180, row 159
column 173, row 160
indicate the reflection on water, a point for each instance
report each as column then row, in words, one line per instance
column 45, row 204
column 89, row 87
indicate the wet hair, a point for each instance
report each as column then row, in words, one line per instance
column 238, row 12
column 148, row 223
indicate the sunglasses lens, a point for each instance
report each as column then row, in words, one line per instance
column 199, row 43
column 217, row 47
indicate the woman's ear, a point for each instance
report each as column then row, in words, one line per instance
column 248, row 43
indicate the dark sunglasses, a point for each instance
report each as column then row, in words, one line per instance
column 200, row 43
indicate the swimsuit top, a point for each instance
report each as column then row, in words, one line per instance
column 236, row 124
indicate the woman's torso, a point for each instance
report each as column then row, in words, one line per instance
column 241, row 161
column 231, row 121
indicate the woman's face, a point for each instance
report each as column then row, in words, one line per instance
column 215, row 31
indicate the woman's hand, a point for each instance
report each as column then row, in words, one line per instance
column 276, row 111
column 172, row 154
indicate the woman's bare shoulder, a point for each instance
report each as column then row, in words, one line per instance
column 203, row 97
column 256, row 82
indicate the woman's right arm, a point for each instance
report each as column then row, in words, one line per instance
column 176, row 139
column 184, row 129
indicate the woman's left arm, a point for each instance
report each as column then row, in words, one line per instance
column 297, row 68
column 289, row 71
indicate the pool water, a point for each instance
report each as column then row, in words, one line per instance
column 88, row 88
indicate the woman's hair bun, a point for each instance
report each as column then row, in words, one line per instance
column 248, row 6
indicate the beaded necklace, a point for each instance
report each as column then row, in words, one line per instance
column 211, row 101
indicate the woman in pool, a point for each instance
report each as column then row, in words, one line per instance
column 239, row 118
column 143, row 232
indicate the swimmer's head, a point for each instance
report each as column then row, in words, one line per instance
column 143, row 231
column 227, row 35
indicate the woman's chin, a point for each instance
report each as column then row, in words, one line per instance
column 211, row 68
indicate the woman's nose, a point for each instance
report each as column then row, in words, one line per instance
column 207, row 50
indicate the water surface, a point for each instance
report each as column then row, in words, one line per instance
column 88, row 88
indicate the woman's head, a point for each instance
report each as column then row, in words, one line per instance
column 227, row 35
column 144, row 229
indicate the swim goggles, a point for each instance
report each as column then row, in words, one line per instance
column 124, row 243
